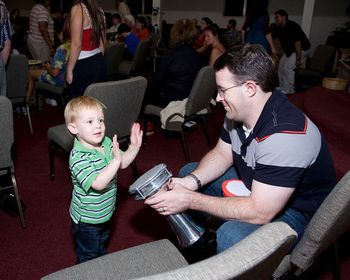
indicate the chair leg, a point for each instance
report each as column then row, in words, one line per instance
column 205, row 129
column 18, row 200
column 144, row 137
column 29, row 119
column 336, row 262
column 185, row 145
column 52, row 149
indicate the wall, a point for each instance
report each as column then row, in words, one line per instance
column 327, row 14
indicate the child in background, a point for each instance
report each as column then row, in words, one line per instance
column 53, row 73
column 94, row 162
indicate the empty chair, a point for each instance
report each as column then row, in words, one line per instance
column 123, row 100
column 113, row 56
column 132, row 68
column 202, row 91
column 6, row 165
column 320, row 65
column 17, row 79
column 255, row 257
column 330, row 221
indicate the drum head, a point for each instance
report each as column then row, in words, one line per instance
column 150, row 182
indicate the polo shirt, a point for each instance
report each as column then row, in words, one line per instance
column 89, row 205
column 284, row 149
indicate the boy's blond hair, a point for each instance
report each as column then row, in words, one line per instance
column 76, row 105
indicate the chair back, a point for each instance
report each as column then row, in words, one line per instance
column 330, row 221
column 17, row 76
column 6, row 128
column 140, row 55
column 123, row 100
column 113, row 57
column 322, row 58
column 255, row 257
column 202, row 91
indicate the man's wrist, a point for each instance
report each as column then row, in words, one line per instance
column 196, row 179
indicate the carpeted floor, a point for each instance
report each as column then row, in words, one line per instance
column 46, row 245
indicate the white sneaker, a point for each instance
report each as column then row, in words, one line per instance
column 53, row 102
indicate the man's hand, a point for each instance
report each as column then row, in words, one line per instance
column 175, row 200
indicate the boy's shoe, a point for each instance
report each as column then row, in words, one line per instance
column 51, row 102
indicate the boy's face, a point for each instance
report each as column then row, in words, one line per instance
column 89, row 127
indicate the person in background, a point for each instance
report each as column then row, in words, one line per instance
column 130, row 20
column 214, row 40
column 94, row 162
column 266, row 142
column 200, row 45
column 54, row 72
column 116, row 19
column 256, row 27
column 86, row 64
column 131, row 41
column 142, row 31
column 232, row 34
column 295, row 46
column 122, row 8
column 177, row 68
column 5, row 45
column 41, row 31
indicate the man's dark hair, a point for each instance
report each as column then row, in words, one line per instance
column 250, row 62
column 117, row 16
column 282, row 13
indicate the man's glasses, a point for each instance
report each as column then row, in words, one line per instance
column 221, row 91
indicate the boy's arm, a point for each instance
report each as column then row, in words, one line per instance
column 135, row 143
column 108, row 173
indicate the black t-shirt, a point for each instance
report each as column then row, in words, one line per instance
column 289, row 34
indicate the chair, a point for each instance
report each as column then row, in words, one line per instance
column 320, row 66
column 55, row 91
column 6, row 142
column 330, row 221
column 123, row 100
column 132, row 68
column 202, row 92
column 17, row 79
column 255, row 257
column 113, row 57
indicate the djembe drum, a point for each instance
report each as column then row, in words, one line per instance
column 187, row 232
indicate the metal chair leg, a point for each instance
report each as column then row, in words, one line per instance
column 29, row 119
column 185, row 145
column 18, row 200
column 205, row 129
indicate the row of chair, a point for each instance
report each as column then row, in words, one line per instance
column 267, row 253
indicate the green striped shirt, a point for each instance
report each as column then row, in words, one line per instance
column 89, row 205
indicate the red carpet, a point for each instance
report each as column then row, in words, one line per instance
column 46, row 245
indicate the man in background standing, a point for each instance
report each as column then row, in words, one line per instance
column 5, row 44
column 295, row 45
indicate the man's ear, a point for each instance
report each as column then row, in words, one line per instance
column 72, row 128
column 251, row 87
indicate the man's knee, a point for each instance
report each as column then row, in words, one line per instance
column 187, row 169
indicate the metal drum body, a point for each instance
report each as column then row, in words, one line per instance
column 187, row 232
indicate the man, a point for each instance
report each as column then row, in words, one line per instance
column 295, row 46
column 265, row 141
column 233, row 35
column 5, row 44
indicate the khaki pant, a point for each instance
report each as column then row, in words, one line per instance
column 39, row 49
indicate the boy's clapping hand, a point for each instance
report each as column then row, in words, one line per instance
column 136, row 136
column 116, row 151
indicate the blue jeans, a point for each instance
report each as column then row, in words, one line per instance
column 232, row 231
column 91, row 240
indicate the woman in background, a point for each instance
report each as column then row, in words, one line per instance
column 256, row 28
column 214, row 39
column 86, row 63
